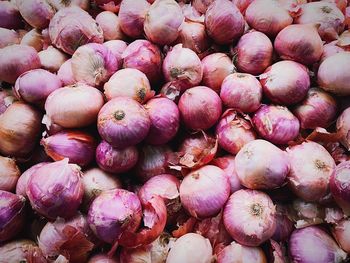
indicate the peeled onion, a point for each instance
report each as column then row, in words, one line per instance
column 9, row 174
column 235, row 253
column 343, row 128
column 109, row 22
column 340, row 186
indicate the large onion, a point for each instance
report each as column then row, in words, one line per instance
column 9, row 174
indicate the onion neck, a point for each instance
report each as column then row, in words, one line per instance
column 119, row 115
column 256, row 209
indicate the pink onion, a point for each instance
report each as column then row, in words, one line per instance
column 319, row 109
column 190, row 248
column 234, row 132
column 303, row 242
column 11, row 215
column 343, row 128
column 65, row 73
column 68, row 34
column 20, row 127
column 51, row 59
column 73, row 106
column 10, row 17
column 241, row 91
column 6, row 99
column 113, row 160
column 8, row 37
column 109, row 22
column 15, row 60
column 103, row 258
column 132, row 16
column 204, row 192
column 144, row 56
column 165, row 120
column 9, row 174
column 332, row 75
column 200, row 108
column 162, row 22
column 190, row 13
column 276, row 124
column 202, row 5
column 117, row 48
column 284, row 225
column 300, row 43
column 254, row 53
column 93, row 64
column 239, row 253
column 242, row 4
column 224, row 22
column 216, row 67
column 35, row 86
column 123, row 122
column 311, row 169
column 254, row 207
column 341, row 233
column 328, row 15
column 21, row 250
column 182, row 65
column 61, row 193
column 340, row 186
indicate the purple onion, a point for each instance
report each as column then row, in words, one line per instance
column 9, row 174
column 21, row 250
column 109, row 22
column 284, row 226
column 340, row 186
column 117, row 48
column 65, row 73
column 239, row 253
column 10, row 17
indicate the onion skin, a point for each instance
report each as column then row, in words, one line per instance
column 340, row 187
column 309, row 111
column 255, row 206
column 21, row 250
column 241, row 91
column 109, row 22
column 341, row 234
column 284, row 225
column 51, row 59
column 83, row 4
column 33, row 38
column 20, row 126
column 202, row 5
column 11, row 215
column 236, row 253
column 8, row 37
column 65, row 73
column 200, row 108
column 10, row 17
column 343, row 128
column 311, row 169
column 276, row 124
column 117, row 47
column 9, row 174
column 15, row 60
column 103, row 258
column 6, row 99
column 224, row 22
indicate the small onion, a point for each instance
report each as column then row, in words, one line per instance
column 11, row 215
column 55, row 189
column 241, row 91
column 9, row 174
column 200, row 108
column 254, row 207
column 224, row 22
column 311, row 169
column 216, row 67
column 113, row 160
column 52, row 59
column 341, row 233
column 276, row 124
column 6, row 99
column 8, row 37
column 10, row 17
column 204, row 192
column 103, row 258
column 109, row 22
column 340, row 186
column 115, row 119
column 235, row 253
column 117, row 47
column 65, row 73
column 22, row 250
column 300, row 43
column 343, row 128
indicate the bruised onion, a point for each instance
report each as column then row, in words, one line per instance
column 51, row 59
column 254, row 207
column 10, row 17
column 103, row 258
column 235, row 253
column 22, row 250
column 340, row 186
column 65, row 73
column 117, row 48
column 33, row 38
column 343, row 128
column 9, row 174
column 109, row 22
column 311, row 168
column 8, row 37
column 341, row 233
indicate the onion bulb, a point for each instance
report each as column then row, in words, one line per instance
column 235, row 253
column 340, row 186
column 9, row 174
column 52, row 59
column 343, row 128
column 341, row 233
column 23, row 250
column 109, row 23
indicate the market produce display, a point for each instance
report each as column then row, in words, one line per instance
column 163, row 131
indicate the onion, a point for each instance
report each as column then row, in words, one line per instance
column 333, row 215
column 254, row 207
column 276, row 124
column 242, row 4
column 202, row 5
column 341, row 234
column 59, row 4
column 254, row 53
column 19, row 129
column 311, row 169
column 108, row 5
column 319, row 109
column 306, row 213
column 300, row 43
column 132, row 16
column 303, row 241
column 11, row 215
column 165, row 120
column 204, row 192
column 332, row 75
column 224, row 22
column 15, row 60
column 117, row 48
column 190, row 248
column 216, row 67
column 109, row 22
column 115, row 119
column 72, row 27
column 36, row 85
column 190, row 13
column 162, row 22
column 73, row 106
column 200, row 108
column 93, row 64
column 235, row 253
column 65, row 73
column 343, row 128
column 328, row 15
column 9, row 174
column 340, row 186
column 36, row 13
column 267, row 16
column 33, row 38
column 144, row 56
column 51, row 59
column 182, row 65
column 8, row 37
column 103, row 258
column 113, row 160
column 241, row 91
column 6, row 99
column 284, row 226
column 10, row 17
column 21, row 250
column 61, row 193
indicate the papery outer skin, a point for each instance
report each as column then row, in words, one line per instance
column 340, row 186
column 276, row 124
column 204, row 192
column 9, row 174
column 113, row 212
column 10, row 17
column 65, row 73
column 114, row 160
column 33, row 38
column 343, row 127
column 103, row 258
column 55, row 189
column 236, row 253
column 311, row 168
column 341, row 233
column 241, row 91
column 109, row 22
column 117, row 48
column 21, row 250
column 119, row 133
column 8, row 37
column 260, row 228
